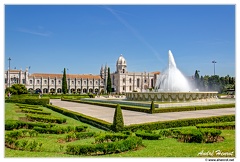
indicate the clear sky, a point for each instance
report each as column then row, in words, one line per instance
column 82, row 38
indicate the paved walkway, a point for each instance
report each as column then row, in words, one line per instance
column 133, row 117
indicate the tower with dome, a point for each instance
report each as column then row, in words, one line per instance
column 125, row 81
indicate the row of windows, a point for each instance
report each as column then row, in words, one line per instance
column 60, row 81
column 59, row 90
column 14, row 80
column 138, row 81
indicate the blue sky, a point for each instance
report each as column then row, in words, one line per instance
column 82, row 38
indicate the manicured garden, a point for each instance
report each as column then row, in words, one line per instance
column 39, row 131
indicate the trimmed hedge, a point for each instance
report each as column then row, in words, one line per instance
column 78, row 135
column 34, row 111
column 83, row 118
column 158, row 110
column 31, row 101
column 11, row 140
column 179, row 123
column 102, row 138
column 112, row 105
column 60, row 129
column 148, row 136
column 132, row 142
column 16, row 124
column 193, row 108
column 225, row 125
column 205, row 135
column 45, row 119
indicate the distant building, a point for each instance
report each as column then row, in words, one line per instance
column 122, row 80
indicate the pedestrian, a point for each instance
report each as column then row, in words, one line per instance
column 9, row 95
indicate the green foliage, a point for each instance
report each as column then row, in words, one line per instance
column 109, row 82
column 110, row 137
column 225, row 125
column 16, row 124
column 64, row 82
column 179, row 123
column 216, row 83
column 31, row 101
column 17, row 89
column 193, row 108
column 148, row 135
column 152, row 108
column 205, row 135
column 45, row 119
column 55, row 129
column 130, row 143
column 34, row 111
column 118, row 123
column 72, row 136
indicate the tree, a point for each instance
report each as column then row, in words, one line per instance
column 152, row 108
column 196, row 77
column 17, row 89
column 109, row 82
column 64, row 82
column 118, row 123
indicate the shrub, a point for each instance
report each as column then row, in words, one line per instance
column 31, row 101
column 78, row 135
column 34, row 111
column 16, row 124
column 210, row 135
column 191, row 135
column 45, row 119
column 225, row 125
column 179, row 123
column 107, row 137
column 148, row 136
column 152, row 108
column 118, row 123
column 60, row 129
column 130, row 143
column 199, row 135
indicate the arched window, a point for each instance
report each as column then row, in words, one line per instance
column 123, row 80
column 52, row 82
column 123, row 70
column 45, row 81
column 130, row 80
column 59, row 82
column 59, row 90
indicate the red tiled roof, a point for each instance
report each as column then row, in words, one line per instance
column 156, row 72
column 72, row 76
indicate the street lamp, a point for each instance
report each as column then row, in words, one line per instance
column 214, row 65
column 9, row 59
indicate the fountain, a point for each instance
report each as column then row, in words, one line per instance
column 170, row 86
column 172, row 79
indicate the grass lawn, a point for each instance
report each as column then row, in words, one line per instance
column 169, row 147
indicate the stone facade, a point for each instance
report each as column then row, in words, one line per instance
column 122, row 80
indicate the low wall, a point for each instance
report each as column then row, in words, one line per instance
column 170, row 96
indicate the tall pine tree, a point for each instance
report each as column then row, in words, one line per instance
column 109, row 82
column 64, row 82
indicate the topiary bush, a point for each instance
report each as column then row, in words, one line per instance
column 118, row 123
column 152, row 108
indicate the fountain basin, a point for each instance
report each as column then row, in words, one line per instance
column 171, row 96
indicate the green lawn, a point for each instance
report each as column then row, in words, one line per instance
column 168, row 147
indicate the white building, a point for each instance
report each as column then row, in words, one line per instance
column 122, row 80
